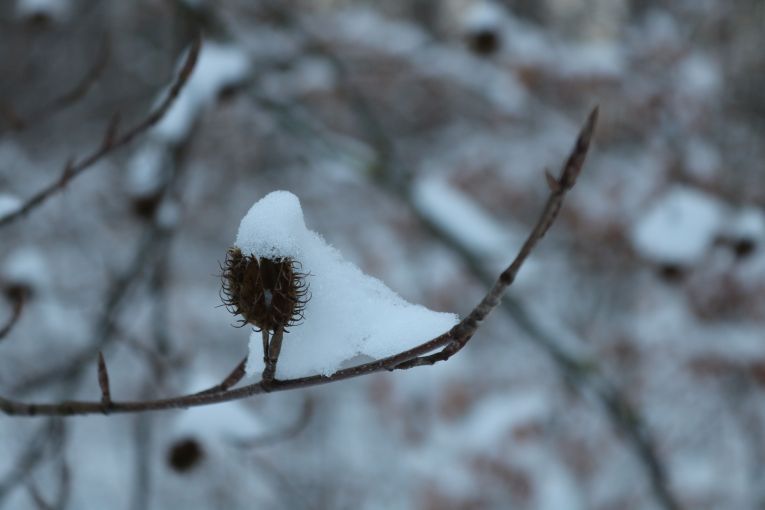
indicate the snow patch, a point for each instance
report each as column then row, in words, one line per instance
column 349, row 314
column 53, row 9
column 218, row 66
column 9, row 204
column 679, row 227
column 698, row 76
column 25, row 266
column 145, row 170
column 749, row 222
column 462, row 218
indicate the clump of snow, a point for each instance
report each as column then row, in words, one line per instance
column 482, row 16
column 8, row 204
column 25, row 266
column 145, row 170
column 310, row 74
column 218, row 66
column 169, row 214
column 698, row 76
column 463, row 219
column 591, row 59
column 273, row 227
column 366, row 27
column 749, row 222
column 349, row 315
column 53, row 9
column 679, row 227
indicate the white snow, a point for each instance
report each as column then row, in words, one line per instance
column 144, row 170
column 349, row 314
column 55, row 9
column 591, row 59
column 308, row 75
column 483, row 15
column 462, row 217
column 218, row 66
column 365, row 27
column 25, row 266
column 747, row 222
column 8, row 204
column 679, row 226
column 698, row 76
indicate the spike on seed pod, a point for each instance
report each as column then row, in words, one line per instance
column 268, row 293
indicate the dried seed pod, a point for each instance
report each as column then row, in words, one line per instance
column 185, row 454
column 270, row 294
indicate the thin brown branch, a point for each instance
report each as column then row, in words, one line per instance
column 148, row 253
column 582, row 373
column 65, row 100
column 231, row 379
column 103, row 382
column 570, row 171
column 450, row 342
column 19, row 297
column 111, row 141
column 82, row 87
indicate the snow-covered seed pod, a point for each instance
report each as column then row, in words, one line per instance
column 270, row 294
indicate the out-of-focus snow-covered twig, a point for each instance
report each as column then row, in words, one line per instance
column 112, row 140
column 20, row 122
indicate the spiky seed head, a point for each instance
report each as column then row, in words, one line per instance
column 270, row 294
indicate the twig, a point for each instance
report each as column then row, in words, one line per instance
column 67, row 99
column 110, row 141
column 105, row 329
column 450, row 342
column 51, row 433
column 581, row 373
column 84, row 85
column 37, row 497
column 19, row 300
column 571, row 170
column 149, row 251
column 231, row 379
column 103, row 383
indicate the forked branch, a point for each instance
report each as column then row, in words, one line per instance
column 112, row 140
column 449, row 343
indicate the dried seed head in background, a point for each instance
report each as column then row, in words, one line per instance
column 269, row 294
column 184, row 454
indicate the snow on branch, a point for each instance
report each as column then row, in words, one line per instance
column 265, row 238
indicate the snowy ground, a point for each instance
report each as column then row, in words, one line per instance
column 416, row 136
